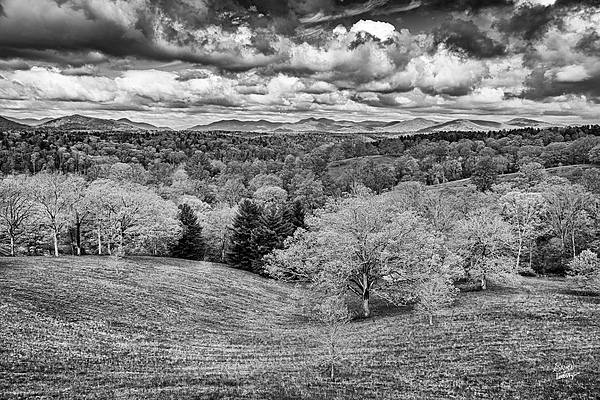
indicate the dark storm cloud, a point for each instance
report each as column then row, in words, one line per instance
column 466, row 36
column 61, row 35
column 542, row 85
column 528, row 22
column 589, row 43
column 14, row 65
column 472, row 5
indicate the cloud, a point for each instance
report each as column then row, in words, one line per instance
column 528, row 21
column 467, row 37
column 572, row 74
column 381, row 30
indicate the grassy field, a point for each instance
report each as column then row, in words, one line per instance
column 171, row 329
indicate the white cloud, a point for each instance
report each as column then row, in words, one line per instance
column 536, row 2
column 381, row 30
column 572, row 73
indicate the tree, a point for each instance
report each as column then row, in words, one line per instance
column 485, row 174
column 273, row 229
column 365, row 245
column 270, row 196
column 531, row 174
column 191, row 244
column 585, row 269
column 566, row 212
column 242, row 250
column 131, row 215
column 216, row 229
column 15, row 206
column 523, row 211
column 53, row 197
column 296, row 214
column 434, row 294
column 484, row 239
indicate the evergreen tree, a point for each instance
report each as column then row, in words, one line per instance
column 275, row 227
column 242, row 250
column 191, row 244
column 296, row 215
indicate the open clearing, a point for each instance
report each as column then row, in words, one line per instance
column 162, row 328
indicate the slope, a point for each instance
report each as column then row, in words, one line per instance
column 152, row 328
column 9, row 125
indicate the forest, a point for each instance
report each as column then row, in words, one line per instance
column 241, row 198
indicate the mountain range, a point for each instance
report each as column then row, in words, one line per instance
column 417, row 125
column 78, row 122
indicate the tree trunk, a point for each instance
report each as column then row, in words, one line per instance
column 55, row 239
column 99, row 243
column 12, row 245
column 573, row 241
column 520, row 249
column 366, row 295
column 530, row 254
column 430, row 319
column 78, row 237
column 483, row 282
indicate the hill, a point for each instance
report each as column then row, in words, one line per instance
column 156, row 328
column 29, row 121
column 9, row 125
column 142, row 125
column 78, row 122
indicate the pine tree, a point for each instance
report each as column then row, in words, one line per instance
column 275, row 227
column 242, row 250
column 296, row 215
column 191, row 244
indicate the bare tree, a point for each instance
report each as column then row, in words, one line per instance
column 15, row 206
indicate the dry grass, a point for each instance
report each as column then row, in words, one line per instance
column 163, row 328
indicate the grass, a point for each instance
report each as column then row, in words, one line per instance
column 162, row 328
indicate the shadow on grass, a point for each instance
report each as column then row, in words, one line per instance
column 580, row 293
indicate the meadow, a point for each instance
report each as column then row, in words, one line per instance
column 161, row 328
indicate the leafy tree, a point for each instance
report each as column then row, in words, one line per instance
column 585, row 269
column 191, row 244
column 216, row 224
column 485, row 174
column 242, row 250
column 267, row 196
column 132, row 215
column 523, row 211
column 566, row 213
column 435, row 293
column 53, row 196
column 362, row 245
column 531, row 174
column 15, row 206
column 483, row 240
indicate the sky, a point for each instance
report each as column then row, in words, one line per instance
column 185, row 62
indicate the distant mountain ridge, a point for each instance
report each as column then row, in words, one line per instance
column 78, row 122
column 416, row 125
column 9, row 125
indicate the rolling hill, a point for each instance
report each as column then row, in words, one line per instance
column 142, row 125
column 9, row 125
column 78, row 122
column 30, row 121
column 159, row 328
